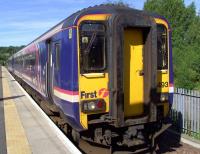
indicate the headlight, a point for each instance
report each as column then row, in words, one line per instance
column 164, row 97
column 93, row 106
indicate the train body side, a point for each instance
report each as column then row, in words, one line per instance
column 30, row 65
column 65, row 77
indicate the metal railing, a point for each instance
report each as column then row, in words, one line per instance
column 185, row 112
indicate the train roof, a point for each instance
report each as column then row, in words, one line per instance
column 105, row 9
column 98, row 9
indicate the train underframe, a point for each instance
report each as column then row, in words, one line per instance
column 133, row 136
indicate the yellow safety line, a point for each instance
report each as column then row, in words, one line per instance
column 16, row 139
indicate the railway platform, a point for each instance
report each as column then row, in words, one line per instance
column 24, row 127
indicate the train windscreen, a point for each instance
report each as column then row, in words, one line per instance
column 93, row 47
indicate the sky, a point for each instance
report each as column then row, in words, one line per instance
column 21, row 21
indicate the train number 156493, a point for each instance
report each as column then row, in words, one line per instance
column 163, row 84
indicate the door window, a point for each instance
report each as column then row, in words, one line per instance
column 57, row 53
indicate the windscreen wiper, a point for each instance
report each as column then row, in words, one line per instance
column 87, row 50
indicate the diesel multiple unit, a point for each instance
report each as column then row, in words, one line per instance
column 107, row 70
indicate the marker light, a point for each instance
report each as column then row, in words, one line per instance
column 164, row 97
column 93, row 106
column 99, row 104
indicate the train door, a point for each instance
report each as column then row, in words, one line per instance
column 56, row 46
column 133, row 72
column 53, row 66
column 49, row 70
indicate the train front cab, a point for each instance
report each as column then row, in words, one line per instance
column 122, row 83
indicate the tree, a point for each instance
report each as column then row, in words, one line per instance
column 185, row 38
column 6, row 52
column 117, row 3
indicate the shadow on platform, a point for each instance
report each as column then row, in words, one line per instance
column 170, row 140
column 13, row 97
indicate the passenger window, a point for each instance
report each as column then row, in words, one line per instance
column 57, row 50
column 29, row 60
column 162, row 47
column 32, row 59
column 93, row 47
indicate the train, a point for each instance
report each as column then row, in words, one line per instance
column 107, row 70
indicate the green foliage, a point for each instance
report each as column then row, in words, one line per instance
column 117, row 3
column 6, row 52
column 185, row 25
